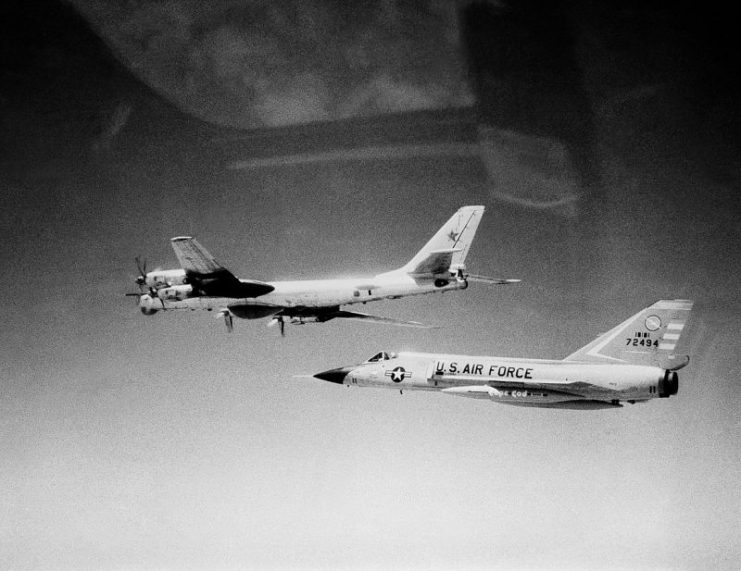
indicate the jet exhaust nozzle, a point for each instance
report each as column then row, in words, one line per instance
column 669, row 385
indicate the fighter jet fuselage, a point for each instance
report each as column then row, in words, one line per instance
column 633, row 362
column 525, row 382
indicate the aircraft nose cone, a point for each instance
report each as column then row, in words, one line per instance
column 334, row 375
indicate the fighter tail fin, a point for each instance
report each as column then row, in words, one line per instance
column 448, row 248
column 647, row 338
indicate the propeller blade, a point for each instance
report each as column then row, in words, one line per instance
column 228, row 319
column 135, row 295
column 278, row 321
column 142, row 267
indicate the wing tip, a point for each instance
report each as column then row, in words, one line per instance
column 181, row 238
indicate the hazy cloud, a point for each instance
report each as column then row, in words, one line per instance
column 252, row 64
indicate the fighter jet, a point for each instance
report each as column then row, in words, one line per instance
column 203, row 283
column 633, row 362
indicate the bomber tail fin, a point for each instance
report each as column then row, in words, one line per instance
column 448, row 248
column 647, row 338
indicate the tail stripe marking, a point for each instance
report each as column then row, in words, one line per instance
column 668, row 346
column 676, row 326
column 595, row 351
column 673, row 336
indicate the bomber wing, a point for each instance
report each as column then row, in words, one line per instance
column 377, row 319
column 208, row 277
column 321, row 315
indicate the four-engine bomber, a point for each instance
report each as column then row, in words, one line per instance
column 202, row 283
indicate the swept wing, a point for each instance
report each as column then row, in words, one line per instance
column 377, row 319
column 208, row 277
column 312, row 314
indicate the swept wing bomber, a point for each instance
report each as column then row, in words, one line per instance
column 203, row 283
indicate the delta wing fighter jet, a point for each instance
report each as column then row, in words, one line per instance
column 203, row 283
column 634, row 362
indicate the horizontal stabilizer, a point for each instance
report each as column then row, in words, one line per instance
column 494, row 281
column 436, row 263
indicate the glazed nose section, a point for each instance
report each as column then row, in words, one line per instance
column 335, row 375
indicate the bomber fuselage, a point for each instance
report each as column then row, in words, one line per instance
column 305, row 293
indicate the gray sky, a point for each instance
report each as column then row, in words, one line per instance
column 133, row 442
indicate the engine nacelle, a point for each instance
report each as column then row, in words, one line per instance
column 252, row 311
column 175, row 293
column 304, row 319
column 148, row 305
column 669, row 385
column 165, row 278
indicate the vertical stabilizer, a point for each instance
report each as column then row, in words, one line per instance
column 647, row 338
column 454, row 239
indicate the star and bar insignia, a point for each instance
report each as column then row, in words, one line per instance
column 398, row 374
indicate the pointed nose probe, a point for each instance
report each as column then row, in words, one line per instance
column 335, row 375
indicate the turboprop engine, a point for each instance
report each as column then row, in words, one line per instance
column 148, row 305
column 164, row 278
column 175, row 293
column 304, row 319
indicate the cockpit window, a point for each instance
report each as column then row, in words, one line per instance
column 382, row 356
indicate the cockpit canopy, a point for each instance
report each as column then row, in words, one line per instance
column 382, row 356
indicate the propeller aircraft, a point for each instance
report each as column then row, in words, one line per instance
column 202, row 283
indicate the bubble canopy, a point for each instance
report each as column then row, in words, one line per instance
column 382, row 356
